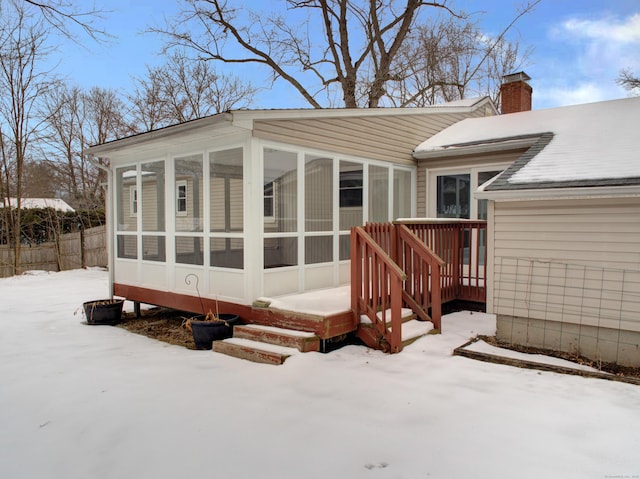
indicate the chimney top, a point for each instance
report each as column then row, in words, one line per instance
column 515, row 93
column 513, row 77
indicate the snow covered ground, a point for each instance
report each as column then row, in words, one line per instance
column 81, row 401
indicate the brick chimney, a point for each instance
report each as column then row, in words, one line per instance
column 515, row 93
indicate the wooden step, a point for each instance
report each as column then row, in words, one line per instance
column 405, row 313
column 255, row 351
column 301, row 340
column 414, row 330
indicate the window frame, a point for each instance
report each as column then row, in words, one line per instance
column 179, row 211
column 341, row 188
column 133, row 201
column 269, row 218
column 432, row 182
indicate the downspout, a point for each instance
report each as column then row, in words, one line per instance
column 110, row 242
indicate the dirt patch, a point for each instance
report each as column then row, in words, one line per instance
column 622, row 371
column 161, row 324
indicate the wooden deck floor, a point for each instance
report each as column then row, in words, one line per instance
column 326, row 313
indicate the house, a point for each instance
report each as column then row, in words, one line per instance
column 37, row 203
column 249, row 204
column 563, row 236
column 534, row 212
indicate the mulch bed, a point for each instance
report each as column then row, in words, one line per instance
column 161, row 324
column 620, row 371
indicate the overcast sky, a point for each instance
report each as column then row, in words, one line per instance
column 578, row 47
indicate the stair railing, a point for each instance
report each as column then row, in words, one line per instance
column 421, row 291
column 376, row 287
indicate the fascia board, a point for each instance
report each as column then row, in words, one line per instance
column 558, row 193
column 469, row 150
column 190, row 126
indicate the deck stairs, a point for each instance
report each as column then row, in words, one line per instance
column 412, row 330
column 266, row 344
column 273, row 345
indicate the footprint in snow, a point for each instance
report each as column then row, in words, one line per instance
column 380, row 465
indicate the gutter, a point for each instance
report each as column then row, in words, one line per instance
column 468, row 149
column 110, row 245
column 584, row 192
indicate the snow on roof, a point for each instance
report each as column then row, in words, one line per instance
column 467, row 102
column 33, row 203
column 595, row 141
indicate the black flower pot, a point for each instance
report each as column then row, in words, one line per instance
column 206, row 332
column 103, row 311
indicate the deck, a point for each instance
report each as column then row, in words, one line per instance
column 412, row 265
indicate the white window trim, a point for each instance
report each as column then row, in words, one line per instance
column 432, row 179
column 180, row 183
column 272, row 218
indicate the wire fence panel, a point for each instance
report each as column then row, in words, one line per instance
column 568, row 307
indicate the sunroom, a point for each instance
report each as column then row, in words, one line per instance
column 251, row 204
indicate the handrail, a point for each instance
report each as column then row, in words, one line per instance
column 376, row 287
column 461, row 243
column 438, row 260
column 423, row 266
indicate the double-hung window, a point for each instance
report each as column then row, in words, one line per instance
column 181, row 198
column 133, row 201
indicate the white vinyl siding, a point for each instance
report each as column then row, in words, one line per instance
column 388, row 138
column 574, row 261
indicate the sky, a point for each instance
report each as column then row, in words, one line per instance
column 578, row 47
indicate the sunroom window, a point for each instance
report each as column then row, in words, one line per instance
column 281, row 170
column 351, row 187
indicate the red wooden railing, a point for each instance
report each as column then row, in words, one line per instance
column 439, row 261
column 462, row 246
column 418, row 262
column 421, row 291
column 376, row 287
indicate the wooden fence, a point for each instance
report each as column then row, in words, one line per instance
column 72, row 251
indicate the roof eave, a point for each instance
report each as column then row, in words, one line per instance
column 475, row 149
column 244, row 115
column 207, row 122
column 244, row 119
column 584, row 192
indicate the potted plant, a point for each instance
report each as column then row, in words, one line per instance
column 103, row 311
column 209, row 327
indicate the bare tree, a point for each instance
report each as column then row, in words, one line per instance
column 358, row 58
column 106, row 113
column 62, row 16
column 76, row 119
column 147, row 102
column 105, row 119
column 21, row 84
column 451, row 60
column 185, row 89
column 62, row 140
column 629, row 81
